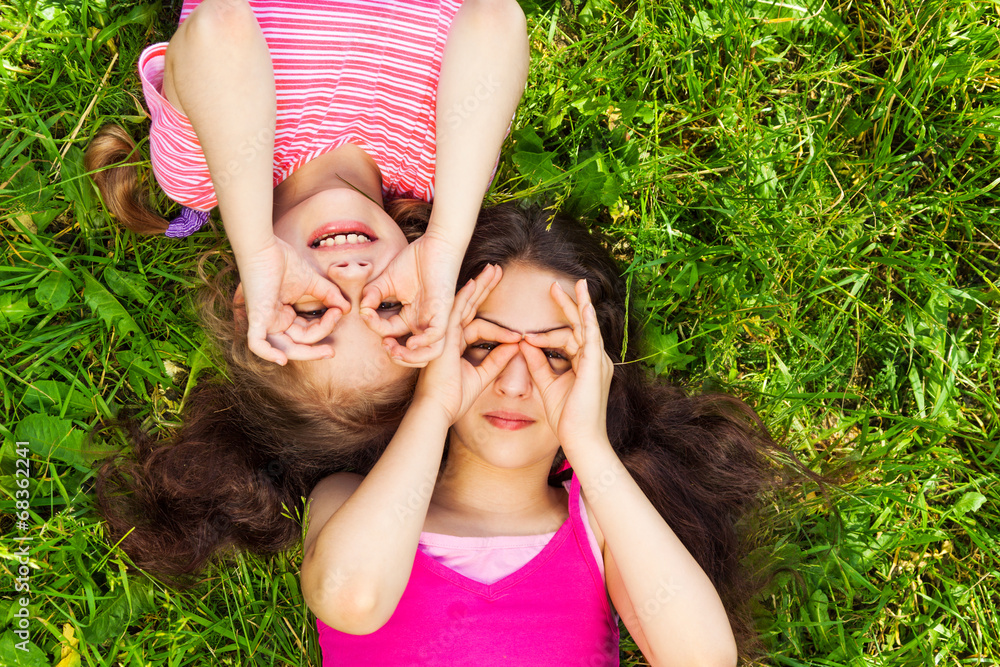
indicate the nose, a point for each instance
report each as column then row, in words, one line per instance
column 514, row 380
column 350, row 276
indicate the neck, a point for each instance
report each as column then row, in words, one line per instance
column 475, row 497
column 347, row 166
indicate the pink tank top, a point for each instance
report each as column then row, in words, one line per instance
column 552, row 611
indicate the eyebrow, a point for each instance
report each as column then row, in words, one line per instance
column 540, row 331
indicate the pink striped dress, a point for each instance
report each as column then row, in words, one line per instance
column 350, row 71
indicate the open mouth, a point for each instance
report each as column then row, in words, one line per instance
column 342, row 234
column 341, row 239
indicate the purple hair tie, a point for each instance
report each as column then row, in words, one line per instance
column 187, row 223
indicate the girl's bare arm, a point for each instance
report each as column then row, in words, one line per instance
column 483, row 73
column 218, row 73
column 666, row 600
column 664, row 597
column 363, row 534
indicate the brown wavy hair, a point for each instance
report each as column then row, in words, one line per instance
column 252, row 444
column 704, row 461
column 112, row 159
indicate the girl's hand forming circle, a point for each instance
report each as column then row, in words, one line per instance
column 271, row 280
column 422, row 278
column 576, row 401
column 451, row 381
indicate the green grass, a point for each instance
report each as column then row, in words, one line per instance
column 805, row 195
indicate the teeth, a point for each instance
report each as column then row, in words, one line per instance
column 341, row 239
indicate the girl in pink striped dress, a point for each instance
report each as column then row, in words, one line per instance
column 299, row 119
column 305, row 121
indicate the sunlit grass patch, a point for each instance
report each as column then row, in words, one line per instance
column 804, row 194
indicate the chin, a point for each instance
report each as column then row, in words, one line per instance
column 516, row 460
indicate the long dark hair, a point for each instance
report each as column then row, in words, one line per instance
column 702, row 460
column 252, row 444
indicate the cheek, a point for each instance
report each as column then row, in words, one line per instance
column 387, row 250
column 388, row 230
column 397, row 242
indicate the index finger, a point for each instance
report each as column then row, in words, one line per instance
column 485, row 330
column 569, row 307
column 375, row 293
column 265, row 351
column 391, row 327
column 430, row 335
column 308, row 332
column 404, row 356
column 326, row 292
column 557, row 338
column 299, row 352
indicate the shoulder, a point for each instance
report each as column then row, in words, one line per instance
column 336, row 488
column 326, row 498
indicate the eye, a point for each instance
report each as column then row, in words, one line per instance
column 476, row 352
column 312, row 314
column 387, row 309
column 558, row 361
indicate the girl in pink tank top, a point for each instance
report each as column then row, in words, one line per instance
column 484, row 557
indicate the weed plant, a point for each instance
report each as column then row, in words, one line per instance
column 804, row 194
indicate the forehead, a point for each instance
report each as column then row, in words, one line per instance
column 522, row 302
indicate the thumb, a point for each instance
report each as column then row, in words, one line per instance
column 495, row 362
column 538, row 366
column 374, row 293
